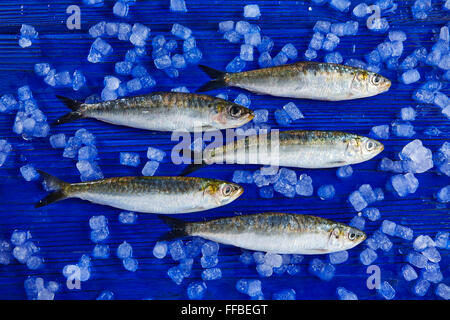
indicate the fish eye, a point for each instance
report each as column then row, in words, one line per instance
column 370, row 145
column 352, row 236
column 376, row 80
column 235, row 111
column 227, row 190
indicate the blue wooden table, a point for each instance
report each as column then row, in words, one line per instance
column 62, row 231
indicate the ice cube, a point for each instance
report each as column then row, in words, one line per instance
column 232, row 36
column 178, row 6
column 120, row 9
column 176, row 250
column 344, row 172
column 407, row 113
column 421, row 287
column 316, row 41
column 310, row 54
column 98, row 29
column 324, row 271
column 246, row 52
column 290, row 51
column 373, row 214
column 160, row 249
column 351, row 28
column 410, row 76
column 403, row 232
column 130, row 264
column 443, row 195
column 124, row 32
column 345, row 294
column 386, row 290
column 304, row 186
column 322, row 26
column 361, row 10
column 293, row 111
column 209, row 261
column 409, row 273
column 106, row 295
column 212, row 274
column 273, row 260
column 112, row 28
column 333, row 57
column 251, row 11
column 236, row 65
column 379, row 25
column 101, row 251
column 42, row 69
column 196, row 290
column 326, row 192
column 150, row 168
column 388, row 227
column 124, row 250
column 225, row 26
column 29, row 173
column 338, row 257
column 340, row 5
column 357, row 201
column 181, row 31
column 279, row 59
column 210, row 248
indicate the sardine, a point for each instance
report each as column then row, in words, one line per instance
column 165, row 195
column 281, row 233
column 162, row 111
column 295, row 148
column 303, row 80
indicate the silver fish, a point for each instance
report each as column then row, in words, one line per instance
column 163, row 111
column 281, row 233
column 295, row 148
column 303, row 80
column 166, row 195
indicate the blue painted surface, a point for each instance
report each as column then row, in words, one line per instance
column 62, row 231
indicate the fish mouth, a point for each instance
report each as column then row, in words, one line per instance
column 238, row 193
column 387, row 85
column 247, row 117
column 380, row 148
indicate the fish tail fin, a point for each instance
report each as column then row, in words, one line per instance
column 75, row 114
column 52, row 183
column 177, row 228
column 217, row 82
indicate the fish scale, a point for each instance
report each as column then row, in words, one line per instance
column 303, row 80
column 165, row 195
column 297, row 148
column 282, row 233
column 163, row 111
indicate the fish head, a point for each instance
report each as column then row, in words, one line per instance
column 343, row 237
column 223, row 192
column 367, row 84
column 360, row 149
column 231, row 115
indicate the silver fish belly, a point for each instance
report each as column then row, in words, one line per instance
column 299, row 149
column 280, row 233
column 311, row 80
